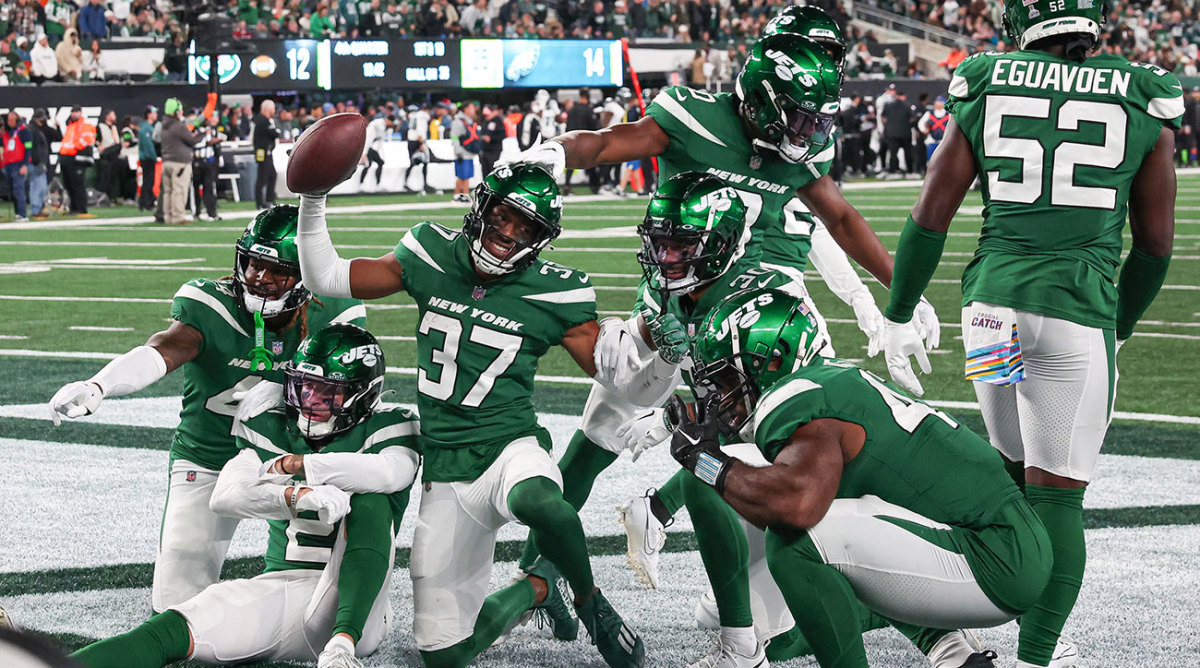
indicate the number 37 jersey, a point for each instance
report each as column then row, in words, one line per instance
column 1057, row 144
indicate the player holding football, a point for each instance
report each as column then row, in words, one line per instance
column 226, row 336
column 1065, row 145
column 867, row 495
column 331, row 474
column 489, row 308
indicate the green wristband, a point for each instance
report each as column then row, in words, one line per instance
column 1141, row 277
column 917, row 256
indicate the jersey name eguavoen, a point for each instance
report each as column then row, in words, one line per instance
column 478, row 345
column 707, row 135
column 222, row 366
column 1057, row 145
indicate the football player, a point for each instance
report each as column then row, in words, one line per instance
column 331, row 474
column 226, row 336
column 489, row 307
column 1065, row 144
column 867, row 494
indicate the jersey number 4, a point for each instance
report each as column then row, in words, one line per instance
column 1067, row 156
column 446, row 358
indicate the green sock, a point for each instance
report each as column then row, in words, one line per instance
column 723, row 549
column 162, row 639
column 1061, row 510
column 556, row 530
column 499, row 611
column 582, row 463
column 365, row 563
column 821, row 600
column 671, row 493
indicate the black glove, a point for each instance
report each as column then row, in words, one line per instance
column 696, row 444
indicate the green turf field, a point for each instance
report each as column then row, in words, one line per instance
column 76, row 557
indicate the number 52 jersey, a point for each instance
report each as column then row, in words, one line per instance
column 1057, row 144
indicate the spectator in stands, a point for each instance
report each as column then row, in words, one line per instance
column 467, row 144
column 320, row 25
column 60, row 14
column 44, row 62
column 26, row 18
column 93, row 67
column 699, row 63
column 108, row 141
column 70, row 57
column 492, row 135
column 18, row 154
column 92, row 23
column 476, row 19
column 953, row 60
column 266, row 132
column 75, row 154
column 147, row 158
column 178, row 143
column 42, row 135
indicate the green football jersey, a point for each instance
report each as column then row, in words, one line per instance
column 223, row 365
column 306, row 541
column 478, row 344
column 914, row 455
column 1057, row 145
column 707, row 135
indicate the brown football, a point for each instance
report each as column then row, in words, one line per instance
column 327, row 153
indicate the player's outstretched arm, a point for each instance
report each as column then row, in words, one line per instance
column 848, row 227
column 1152, row 223
column 841, row 278
column 392, row 469
column 163, row 353
column 326, row 273
column 620, row 143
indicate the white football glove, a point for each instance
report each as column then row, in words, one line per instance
column 548, row 154
column 257, row 400
column 330, row 503
column 75, row 400
column 646, row 429
column 928, row 325
column 616, row 354
column 870, row 321
column 900, row 340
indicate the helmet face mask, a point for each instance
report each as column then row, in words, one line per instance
column 693, row 232
column 514, row 216
column 334, row 381
column 266, row 275
column 732, row 393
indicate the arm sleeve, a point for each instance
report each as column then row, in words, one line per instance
column 917, row 256
column 324, row 271
column 833, row 265
column 240, row 493
column 1142, row 276
column 393, row 469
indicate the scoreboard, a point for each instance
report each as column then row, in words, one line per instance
column 308, row 64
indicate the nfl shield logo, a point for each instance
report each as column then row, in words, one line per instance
column 691, row 329
column 277, row 347
column 755, row 161
column 478, row 292
column 191, row 476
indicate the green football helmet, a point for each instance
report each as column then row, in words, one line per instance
column 748, row 341
column 1027, row 21
column 269, row 243
column 693, row 232
column 789, row 91
column 815, row 24
column 532, row 191
column 334, row 381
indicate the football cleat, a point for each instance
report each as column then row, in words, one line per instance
column 725, row 655
column 1066, row 654
column 984, row 659
column 959, row 649
column 338, row 653
column 645, row 537
column 553, row 610
column 6, row 621
column 620, row 645
column 707, row 616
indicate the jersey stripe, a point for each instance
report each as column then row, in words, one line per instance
column 672, row 106
column 1165, row 108
column 576, row 296
column 958, row 86
column 256, row 439
column 410, row 428
column 779, row 395
column 352, row 313
column 196, row 294
column 410, row 242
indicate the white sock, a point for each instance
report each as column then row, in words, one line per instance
column 340, row 642
column 951, row 651
column 742, row 638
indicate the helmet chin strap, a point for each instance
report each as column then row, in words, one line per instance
column 268, row 307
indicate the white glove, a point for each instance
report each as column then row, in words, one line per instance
column 900, row 341
column 616, row 354
column 928, row 325
column 330, row 503
column 548, row 154
column 644, row 430
column 870, row 321
column 257, row 400
column 75, row 400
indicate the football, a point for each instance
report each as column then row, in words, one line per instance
column 327, row 153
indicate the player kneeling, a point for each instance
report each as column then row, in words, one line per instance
column 331, row 473
column 869, row 495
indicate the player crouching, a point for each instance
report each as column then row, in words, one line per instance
column 331, row 474
column 869, row 495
